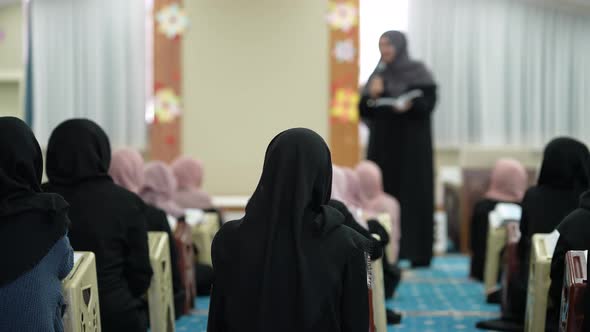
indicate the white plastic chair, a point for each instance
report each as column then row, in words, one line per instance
column 497, row 240
column 203, row 234
column 80, row 290
column 542, row 248
column 160, row 293
column 379, row 314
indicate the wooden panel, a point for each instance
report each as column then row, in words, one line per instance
column 344, row 77
column 165, row 137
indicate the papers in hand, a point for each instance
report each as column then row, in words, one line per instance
column 194, row 216
column 503, row 213
column 509, row 211
column 172, row 222
column 77, row 257
column 399, row 102
column 551, row 242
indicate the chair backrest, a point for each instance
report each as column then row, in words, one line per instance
column 203, row 234
column 80, row 290
column 573, row 292
column 378, row 296
column 160, row 293
column 539, row 281
column 184, row 246
column 495, row 243
column 511, row 266
column 452, row 207
column 392, row 248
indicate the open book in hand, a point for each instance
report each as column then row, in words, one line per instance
column 398, row 102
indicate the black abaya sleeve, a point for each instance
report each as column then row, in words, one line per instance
column 586, row 326
column 138, row 270
column 524, row 244
column 423, row 106
column 557, row 271
column 355, row 298
column 366, row 112
column 215, row 322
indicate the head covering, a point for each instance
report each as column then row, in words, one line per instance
column 188, row 172
column 287, row 210
column 508, row 182
column 31, row 222
column 566, row 165
column 352, row 194
column 375, row 201
column 127, row 169
column 376, row 249
column 189, row 175
column 159, row 187
column 338, row 183
column 78, row 150
column 403, row 73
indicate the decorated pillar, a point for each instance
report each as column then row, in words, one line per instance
column 170, row 22
column 343, row 21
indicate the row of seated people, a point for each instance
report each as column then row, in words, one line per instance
column 361, row 191
column 80, row 207
column 290, row 264
column 552, row 204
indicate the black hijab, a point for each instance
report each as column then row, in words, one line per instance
column 403, row 73
column 71, row 161
column 31, row 222
column 576, row 227
column 287, row 211
column 566, row 165
column 376, row 248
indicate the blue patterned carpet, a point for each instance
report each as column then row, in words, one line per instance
column 440, row 298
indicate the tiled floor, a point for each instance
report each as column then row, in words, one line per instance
column 440, row 298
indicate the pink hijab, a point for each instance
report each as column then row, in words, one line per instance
column 374, row 201
column 353, row 188
column 127, row 169
column 338, row 184
column 159, row 188
column 508, row 182
column 189, row 175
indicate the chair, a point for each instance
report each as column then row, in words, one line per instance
column 80, row 290
column 452, row 207
column 574, row 289
column 392, row 248
column 378, row 298
column 160, row 293
column 203, row 234
column 184, row 246
column 496, row 241
column 542, row 248
column 511, row 267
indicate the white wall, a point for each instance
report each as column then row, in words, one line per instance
column 251, row 70
column 11, row 60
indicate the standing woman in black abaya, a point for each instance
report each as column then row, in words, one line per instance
column 401, row 141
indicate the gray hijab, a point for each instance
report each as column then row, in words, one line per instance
column 403, row 73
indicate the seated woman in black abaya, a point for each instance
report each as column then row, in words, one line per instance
column 106, row 219
column 574, row 234
column 290, row 264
